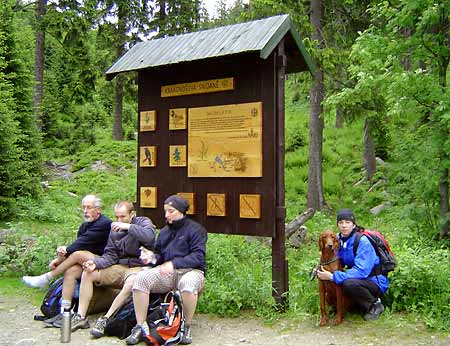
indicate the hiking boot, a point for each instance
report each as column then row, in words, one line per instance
column 375, row 311
column 99, row 329
column 79, row 322
column 40, row 281
column 55, row 321
column 136, row 336
column 186, row 338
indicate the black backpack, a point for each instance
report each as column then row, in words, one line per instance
column 382, row 249
column 121, row 323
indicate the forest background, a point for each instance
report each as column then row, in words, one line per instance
column 367, row 130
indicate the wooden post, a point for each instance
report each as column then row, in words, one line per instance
column 280, row 282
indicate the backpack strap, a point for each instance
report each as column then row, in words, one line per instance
column 377, row 269
column 358, row 236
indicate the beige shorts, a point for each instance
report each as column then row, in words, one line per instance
column 185, row 280
column 116, row 275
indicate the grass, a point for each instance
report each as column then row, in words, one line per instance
column 239, row 274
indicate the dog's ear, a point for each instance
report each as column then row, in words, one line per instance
column 321, row 241
column 337, row 244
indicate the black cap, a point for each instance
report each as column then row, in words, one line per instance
column 345, row 214
column 178, row 202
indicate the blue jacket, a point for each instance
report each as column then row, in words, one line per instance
column 123, row 246
column 91, row 236
column 184, row 243
column 361, row 266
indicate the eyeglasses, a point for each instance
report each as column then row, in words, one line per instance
column 88, row 207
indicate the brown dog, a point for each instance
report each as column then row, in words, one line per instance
column 330, row 293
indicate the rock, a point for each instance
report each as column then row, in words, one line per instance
column 99, row 166
column 379, row 208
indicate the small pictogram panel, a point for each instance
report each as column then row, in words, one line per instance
column 177, row 119
column 250, row 206
column 177, row 156
column 147, row 157
column 215, row 204
column 148, row 197
column 190, row 197
column 147, row 121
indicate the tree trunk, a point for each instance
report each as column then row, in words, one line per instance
column 39, row 58
column 118, row 103
column 117, row 131
column 315, row 198
column 370, row 162
column 443, row 181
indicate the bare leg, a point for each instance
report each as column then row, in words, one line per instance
column 70, row 280
column 78, row 257
column 140, row 301
column 86, row 291
column 189, row 305
column 125, row 292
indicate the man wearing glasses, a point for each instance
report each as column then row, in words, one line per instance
column 91, row 240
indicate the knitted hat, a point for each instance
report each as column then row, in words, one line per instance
column 178, row 202
column 345, row 214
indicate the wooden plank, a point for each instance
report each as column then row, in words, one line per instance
column 177, row 156
column 225, row 141
column 216, row 204
column 250, row 206
column 190, row 197
column 147, row 121
column 177, row 119
column 147, row 156
column 148, row 197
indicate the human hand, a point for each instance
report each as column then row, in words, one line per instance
column 118, row 226
column 89, row 266
column 166, row 268
column 53, row 264
column 324, row 275
column 61, row 251
column 147, row 256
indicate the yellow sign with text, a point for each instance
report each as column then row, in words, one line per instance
column 201, row 87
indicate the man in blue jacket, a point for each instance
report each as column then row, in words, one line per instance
column 91, row 241
column 180, row 253
column 117, row 266
column 359, row 285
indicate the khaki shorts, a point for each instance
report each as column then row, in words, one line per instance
column 116, row 275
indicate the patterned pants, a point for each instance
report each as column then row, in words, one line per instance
column 185, row 280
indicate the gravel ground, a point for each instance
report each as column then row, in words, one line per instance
column 17, row 328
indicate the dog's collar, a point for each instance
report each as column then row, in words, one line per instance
column 334, row 259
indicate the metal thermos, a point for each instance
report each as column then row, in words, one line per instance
column 66, row 327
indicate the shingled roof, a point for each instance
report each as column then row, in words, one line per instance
column 256, row 36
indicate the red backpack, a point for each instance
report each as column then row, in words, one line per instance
column 382, row 248
column 166, row 324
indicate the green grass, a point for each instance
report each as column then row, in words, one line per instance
column 239, row 272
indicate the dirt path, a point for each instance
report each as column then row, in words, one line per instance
column 17, row 328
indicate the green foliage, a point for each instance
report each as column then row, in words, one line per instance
column 20, row 151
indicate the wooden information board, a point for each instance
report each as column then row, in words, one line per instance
column 225, row 141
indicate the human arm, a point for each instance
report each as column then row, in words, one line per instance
column 364, row 261
column 92, row 236
column 195, row 256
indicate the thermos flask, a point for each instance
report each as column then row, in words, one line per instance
column 66, row 327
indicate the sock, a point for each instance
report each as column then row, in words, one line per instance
column 65, row 304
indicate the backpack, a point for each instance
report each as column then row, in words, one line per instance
column 123, row 321
column 382, row 249
column 51, row 304
column 166, row 323
column 102, row 298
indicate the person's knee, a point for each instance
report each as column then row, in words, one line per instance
column 350, row 285
column 129, row 282
column 73, row 272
